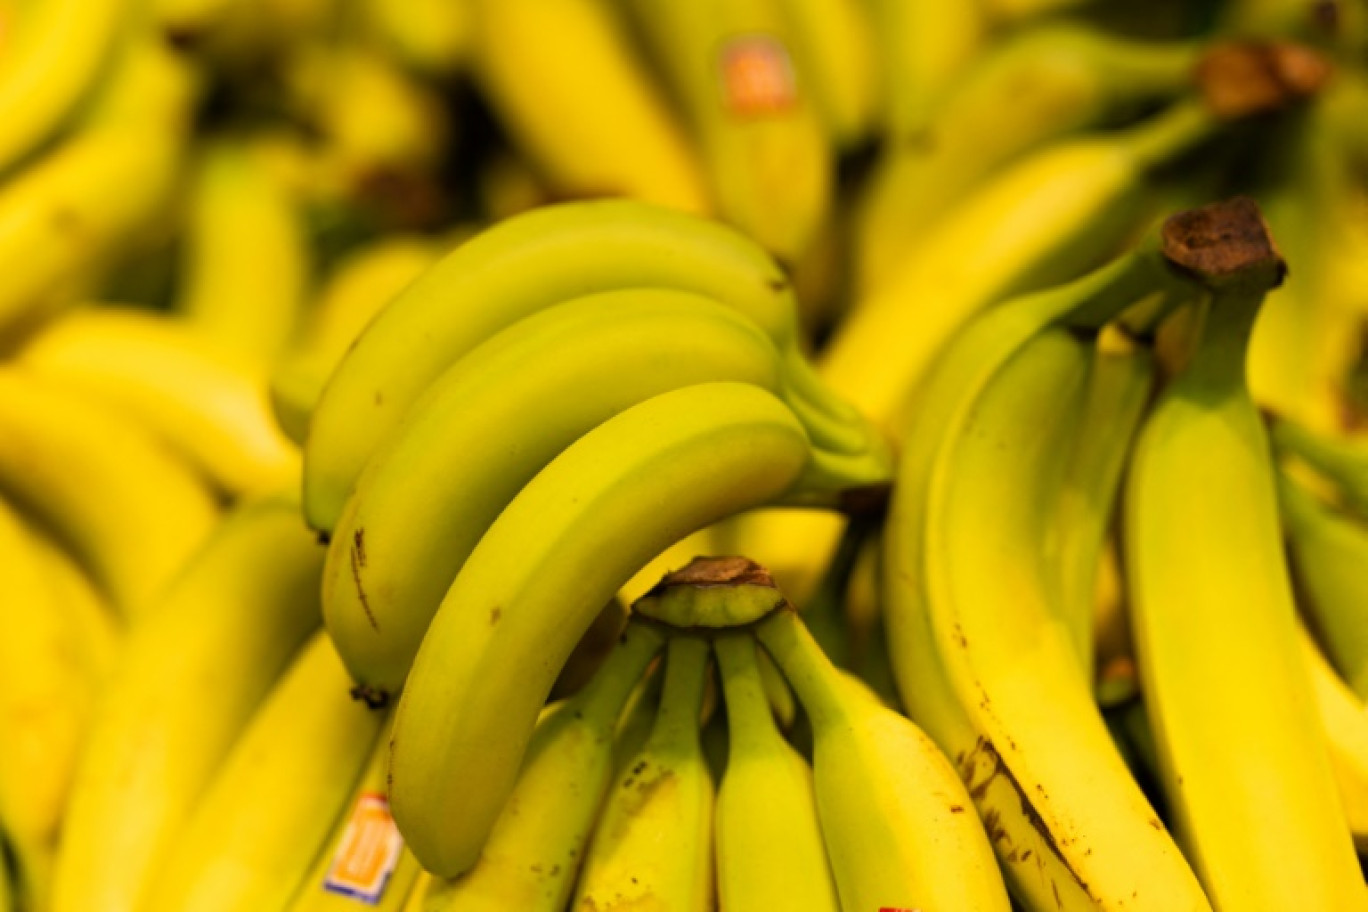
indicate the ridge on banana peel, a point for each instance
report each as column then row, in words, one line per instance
column 1242, row 756
column 527, row 263
column 982, row 651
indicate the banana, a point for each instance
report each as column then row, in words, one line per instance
column 575, row 96
column 200, row 399
column 1242, row 757
column 923, row 45
column 729, row 66
column 769, row 848
column 587, row 657
column 54, row 658
column 360, row 284
column 537, row 845
column 131, row 510
column 599, row 510
column 982, row 658
column 1344, row 719
column 465, row 450
column 190, row 678
column 1341, row 459
column 652, row 846
column 1032, row 88
column 834, row 48
column 518, row 267
column 53, row 63
column 435, row 37
column 247, row 255
column 897, row 823
column 252, row 836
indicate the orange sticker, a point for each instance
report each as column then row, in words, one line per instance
column 367, row 853
column 757, row 76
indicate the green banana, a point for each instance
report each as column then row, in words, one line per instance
column 465, row 449
column 535, row 850
column 558, row 551
column 190, row 678
column 253, row 834
column 652, row 844
column 769, row 848
column 896, row 820
column 518, row 267
column 1242, row 757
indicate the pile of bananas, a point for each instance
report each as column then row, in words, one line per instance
column 608, row 454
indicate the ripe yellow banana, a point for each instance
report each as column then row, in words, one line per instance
column 199, row 398
column 253, row 834
column 769, row 848
column 519, row 267
column 923, row 46
column 652, row 846
column 899, row 826
column 834, row 49
column 537, row 845
column 191, row 676
column 435, row 37
column 466, row 448
column 729, row 65
column 1242, row 756
column 569, row 540
column 131, row 510
column 1344, row 718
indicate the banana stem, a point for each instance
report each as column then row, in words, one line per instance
column 824, row 612
column 1170, row 134
column 606, row 693
column 811, row 674
column 681, row 701
column 749, row 716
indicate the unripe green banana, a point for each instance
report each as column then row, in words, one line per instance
column 558, row 551
column 652, row 844
column 537, row 845
column 465, row 449
column 191, row 676
column 519, row 267
column 769, row 848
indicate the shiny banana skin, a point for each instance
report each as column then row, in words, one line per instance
column 768, row 842
column 1241, row 753
column 249, row 842
column 537, row 846
column 652, row 844
column 573, row 90
column 729, row 66
column 131, row 510
column 360, row 284
column 834, row 48
column 54, row 657
column 466, row 449
column 1344, row 718
column 1033, row 88
column 54, row 62
column 199, row 398
column 517, row 268
column 569, row 540
column 897, row 822
column 976, row 647
column 191, row 678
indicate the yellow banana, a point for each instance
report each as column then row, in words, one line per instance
column 190, row 678
column 1242, row 757
column 652, row 846
column 537, row 845
column 1340, row 459
column 1344, row 718
column 199, row 398
column 834, row 48
column 602, row 508
column 253, row 834
column 436, row 37
column 923, row 46
column 131, row 510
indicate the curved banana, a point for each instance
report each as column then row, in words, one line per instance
column 1341, row 459
column 362, row 282
column 897, row 822
column 1242, row 757
column 1344, row 718
column 519, row 267
column 834, row 47
column 567, row 82
column 729, row 66
column 191, row 676
column 54, row 62
column 769, row 848
column 197, row 397
column 466, row 448
column 923, row 46
column 254, row 832
column 603, row 507
column 435, row 37
column 537, row 845
column 652, row 844
column 132, row 511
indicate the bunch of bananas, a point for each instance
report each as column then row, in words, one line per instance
column 361, row 362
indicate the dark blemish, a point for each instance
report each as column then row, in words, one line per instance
column 494, row 614
column 1154, row 822
column 957, row 809
column 379, row 398
column 324, row 539
column 1054, row 887
column 778, row 285
column 361, row 590
column 555, row 869
column 66, row 221
column 372, row 697
column 1025, row 856
column 359, row 544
